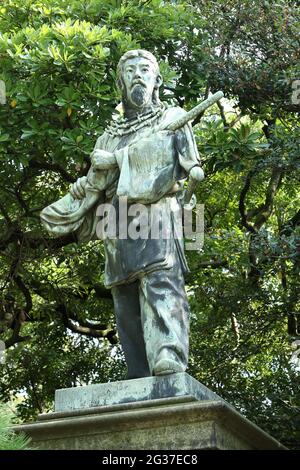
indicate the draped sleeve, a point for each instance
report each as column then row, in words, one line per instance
column 70, row 215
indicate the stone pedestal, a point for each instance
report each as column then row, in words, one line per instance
column 164, row 413
column 129, row 391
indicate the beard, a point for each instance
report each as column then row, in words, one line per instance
column 138, row 95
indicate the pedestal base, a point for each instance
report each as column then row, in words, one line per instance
column 175, row 422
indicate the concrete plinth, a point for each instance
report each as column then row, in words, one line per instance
column 182, row 421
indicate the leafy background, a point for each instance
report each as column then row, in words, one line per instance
column 58, row 61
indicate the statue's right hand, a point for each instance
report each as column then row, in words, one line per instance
column 77, row 189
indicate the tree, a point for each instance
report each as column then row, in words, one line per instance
column 58, row 61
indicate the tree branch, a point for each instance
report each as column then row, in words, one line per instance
column 19, row 281
column 15, row 339
column 16, row 326
column 242, row 206
column 291, row 224
column 108, row 333
column 266, row 209
column 235, row 328
column 223, row 117
column 52, row 167
column 212, row 264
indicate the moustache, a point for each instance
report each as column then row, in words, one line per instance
column 138, row 82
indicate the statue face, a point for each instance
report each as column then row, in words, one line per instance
column 139, row 78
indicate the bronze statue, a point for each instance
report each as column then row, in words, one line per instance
column 143, row 158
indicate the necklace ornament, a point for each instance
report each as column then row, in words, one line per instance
column 124, row 126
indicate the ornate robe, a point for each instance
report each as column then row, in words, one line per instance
column 151, row 166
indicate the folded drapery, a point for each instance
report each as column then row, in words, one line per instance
column 70, row 215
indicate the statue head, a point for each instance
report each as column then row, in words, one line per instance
column 139, row 79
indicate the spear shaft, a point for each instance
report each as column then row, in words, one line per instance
column 182, row 121
column 193, row 113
